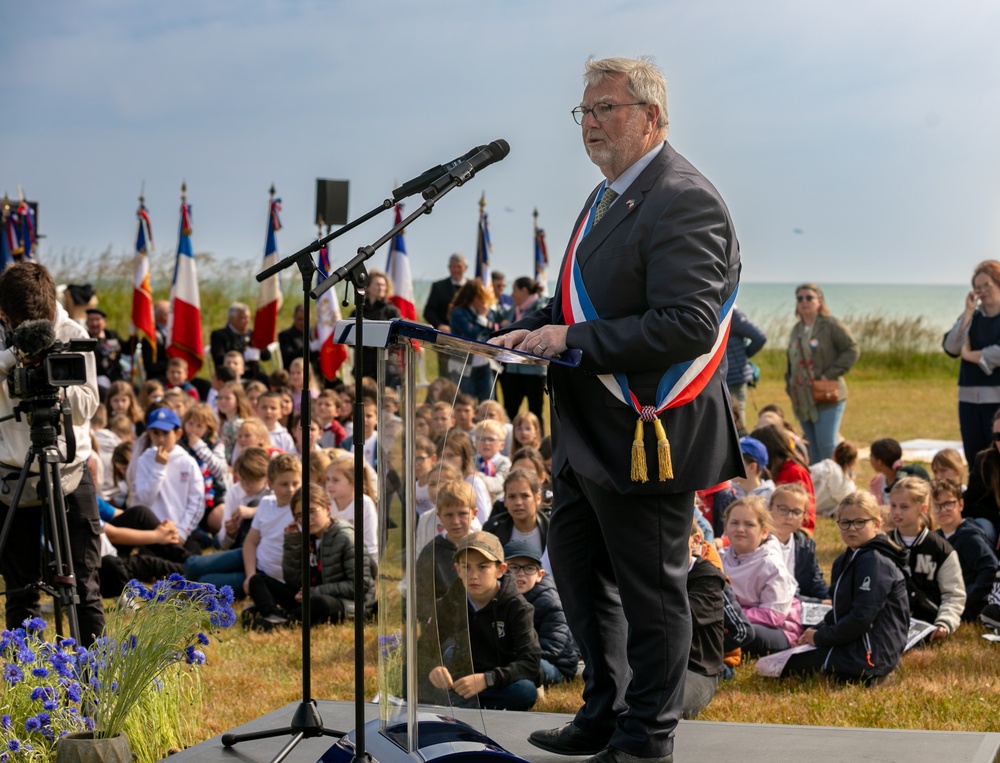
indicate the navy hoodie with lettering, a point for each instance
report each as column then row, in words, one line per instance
column 866, row 629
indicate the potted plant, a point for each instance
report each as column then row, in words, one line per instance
column 66, row 692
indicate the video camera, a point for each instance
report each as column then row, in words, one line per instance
column 59, row 364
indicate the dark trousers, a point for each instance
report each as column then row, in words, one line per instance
column 269, row 593
column 22, row 559
column 976, row 422
column 767, row 640
column 142, row 518
column 517, row 387
column 117, row 571
column 620, row 564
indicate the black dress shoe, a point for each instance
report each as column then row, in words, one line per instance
column 568, row 740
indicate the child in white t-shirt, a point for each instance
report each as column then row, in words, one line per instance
column 269, row 411
column 168, row 480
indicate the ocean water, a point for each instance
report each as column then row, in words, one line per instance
column 773, row 304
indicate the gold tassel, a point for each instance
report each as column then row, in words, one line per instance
column 663, row 452
column 639, row 455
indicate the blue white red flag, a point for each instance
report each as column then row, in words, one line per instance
column 265, row 322
column 483, row 245
column 397, row 266
column 184, row 332
column 541, row 254
column 21, row 231
column 143, row 324
column 6, row 256
column 331, row 355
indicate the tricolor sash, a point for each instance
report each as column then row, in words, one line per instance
column 681, row 383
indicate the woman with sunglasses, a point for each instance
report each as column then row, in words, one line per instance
column 975, row 338
column 820, row 348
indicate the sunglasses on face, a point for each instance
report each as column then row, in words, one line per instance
column 804, row 297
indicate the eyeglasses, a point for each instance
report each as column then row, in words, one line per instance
column 853, row 524
column 784, row 511
column 805, row 297
column 946, row 506
column 527, row 569
column 601, row 111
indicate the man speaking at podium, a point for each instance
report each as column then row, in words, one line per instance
column 645, row 290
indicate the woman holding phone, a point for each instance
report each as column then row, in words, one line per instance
column 975, row 338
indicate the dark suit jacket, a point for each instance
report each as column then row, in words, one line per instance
column 226, row 340
column 657, row 268
column 436, row 309
column 290, row 342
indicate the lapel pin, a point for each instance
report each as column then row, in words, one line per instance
column 630, row 203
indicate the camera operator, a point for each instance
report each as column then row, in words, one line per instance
column 27, row 292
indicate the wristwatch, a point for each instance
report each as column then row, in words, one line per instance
column 490, row 679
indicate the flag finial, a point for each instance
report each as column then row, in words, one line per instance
column 271, row 191
column 142, row 195
column 482, row 201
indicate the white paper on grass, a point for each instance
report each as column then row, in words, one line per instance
column 771, row 665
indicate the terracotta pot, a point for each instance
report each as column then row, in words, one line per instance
column 82, row 747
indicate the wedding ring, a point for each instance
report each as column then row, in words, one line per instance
column 539, row 348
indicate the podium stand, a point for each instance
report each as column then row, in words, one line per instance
column 409, row 727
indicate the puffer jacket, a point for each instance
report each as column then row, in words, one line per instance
column 558, row 646
column 336, row 555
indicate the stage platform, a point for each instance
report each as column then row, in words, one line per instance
column 697, row 741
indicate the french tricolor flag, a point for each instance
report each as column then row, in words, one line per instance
column 265, row 322
column 398, row 268
column 331, row 354
column 184, row 332
column 143, row 325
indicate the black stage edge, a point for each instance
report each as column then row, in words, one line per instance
column 697, row 741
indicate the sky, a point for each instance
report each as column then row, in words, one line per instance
column 854, row 142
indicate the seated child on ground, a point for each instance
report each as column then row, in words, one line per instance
column 456, row 505
column 978, row 562
column 269, row 411
column 863, row 636
column 137, row 527
column 324, row 410
column 331, row 564
column 937, row 591
column 168, row 480
column 199, row 424
column 560, row 655
column 527, row 432
column 490, row 462
column 491, row 410
column 788, row 507
column 429, row 524
column 522, row 519
column 424, row 463
column 886, row 457
column 177, row 378
column 762, row 583
column 340, row 488
column 705, row 584
column 947, row 464
column 833, row 478
column 252, row 433
column 758, row 480
column 262, row 549
column 495, row 660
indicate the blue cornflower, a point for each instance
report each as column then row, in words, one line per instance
column 32, row 724
column 133, row 641
column 5, row 723
column 14, row 745
column 177, row 581
column 40, row 672
column 211, row 605
column 33, row 625
column 12, row 674
column 61, row 664
column 67, row 643
column 25, row 655
column 203, row 639
column 73, row 692
column 51, row 704
column 227, row 594
column 42, row 693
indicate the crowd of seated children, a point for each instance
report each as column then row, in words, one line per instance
column 787, row 466
column 435, row 569
column 491, row 410
column 494, row 661
column 937, row 590
column 199, row 425
column 429, row 524
column 833, row 478
column 758, row 480
column 243, row 497
column 863, row 636
column 560, row 656
column 252, row 433
column 263, row 547
column 761, row 582
column 788, row 506
column 490, row 462
column 977, row 559
column 339, row 482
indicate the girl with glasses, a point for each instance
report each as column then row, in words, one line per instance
column 979, row 563
column 820, row 349
column 863, row 636
column 937, row 591
column 788, row 508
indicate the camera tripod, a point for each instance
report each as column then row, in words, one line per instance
column 58, row 578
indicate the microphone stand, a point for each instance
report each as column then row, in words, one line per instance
column 306, row 721
column 356, row 273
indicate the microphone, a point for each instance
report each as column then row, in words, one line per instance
column 423, row 180
column 33, row 337
column 465, row 171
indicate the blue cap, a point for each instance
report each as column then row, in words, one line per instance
column 755, row 449
column 164, row 418
column 522, row 548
